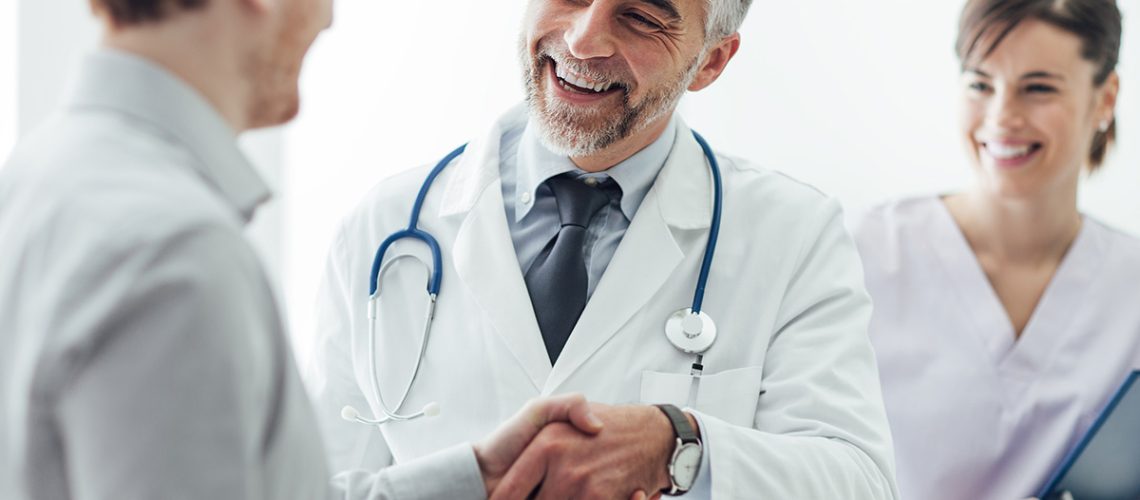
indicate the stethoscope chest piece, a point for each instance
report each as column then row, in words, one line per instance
column 692, row 333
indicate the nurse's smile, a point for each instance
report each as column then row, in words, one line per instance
column 1008, row 153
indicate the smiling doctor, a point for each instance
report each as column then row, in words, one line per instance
column 575, row 236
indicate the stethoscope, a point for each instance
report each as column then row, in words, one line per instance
column 690, row 330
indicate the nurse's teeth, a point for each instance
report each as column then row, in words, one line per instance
column 1004, row 152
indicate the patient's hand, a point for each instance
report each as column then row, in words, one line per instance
column 630, row 455
column 499, row 451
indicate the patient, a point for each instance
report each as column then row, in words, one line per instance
column 143, row 352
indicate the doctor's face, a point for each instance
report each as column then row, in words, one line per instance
column 597, row 72
column 1030, row 111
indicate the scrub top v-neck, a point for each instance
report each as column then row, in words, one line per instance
column 976, row 411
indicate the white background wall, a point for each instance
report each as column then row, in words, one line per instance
column 8, row 34
column 858, row 98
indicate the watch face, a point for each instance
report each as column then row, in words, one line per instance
column 686, row 464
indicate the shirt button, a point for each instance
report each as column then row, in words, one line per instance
column 525, row 198
column 591, row 181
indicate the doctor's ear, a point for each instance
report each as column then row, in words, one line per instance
column 715, row 61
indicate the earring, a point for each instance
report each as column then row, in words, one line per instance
column 1104, row 124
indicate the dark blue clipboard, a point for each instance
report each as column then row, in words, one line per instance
column 1105, row 464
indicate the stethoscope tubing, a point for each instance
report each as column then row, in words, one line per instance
column 714, row 227
column 414, row 232
column 436, row 274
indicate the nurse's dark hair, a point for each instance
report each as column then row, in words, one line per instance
column 986, row 23
column 129, row 12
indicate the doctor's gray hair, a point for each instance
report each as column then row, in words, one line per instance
column 724, row 19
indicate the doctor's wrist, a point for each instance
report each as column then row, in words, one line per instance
column 668, row 439
column 676, row 419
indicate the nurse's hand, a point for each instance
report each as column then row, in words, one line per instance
column 499, row 451
column 627, row 458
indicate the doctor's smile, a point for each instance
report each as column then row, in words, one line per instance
column 574, row 82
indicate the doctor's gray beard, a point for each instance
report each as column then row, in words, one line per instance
column 576, row 132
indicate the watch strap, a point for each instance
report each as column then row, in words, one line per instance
column 681, row 427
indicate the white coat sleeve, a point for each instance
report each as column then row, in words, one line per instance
column 329, row 376
column 820, row 429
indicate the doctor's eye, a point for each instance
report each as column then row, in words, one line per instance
column 643, row 22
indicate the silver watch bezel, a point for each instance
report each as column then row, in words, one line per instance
column 677, row 450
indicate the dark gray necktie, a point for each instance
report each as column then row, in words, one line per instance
column 557, row 281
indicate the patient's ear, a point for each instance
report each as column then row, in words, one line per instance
column 259, row 6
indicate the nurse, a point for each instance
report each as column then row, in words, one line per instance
column 1003, row 316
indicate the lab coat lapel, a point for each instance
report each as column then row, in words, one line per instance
column 647, row 255
column 484, row 255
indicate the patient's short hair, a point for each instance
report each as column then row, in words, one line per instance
column 127, row 12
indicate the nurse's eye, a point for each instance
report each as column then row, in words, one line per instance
column 643, row 22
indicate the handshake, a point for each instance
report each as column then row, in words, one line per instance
column 565, row 447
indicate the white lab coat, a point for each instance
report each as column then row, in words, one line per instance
column 974, row 413
column 790, row 404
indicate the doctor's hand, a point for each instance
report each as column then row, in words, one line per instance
column 499, row 451
column 625, row 459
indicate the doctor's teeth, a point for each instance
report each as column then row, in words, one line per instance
column 580, row 82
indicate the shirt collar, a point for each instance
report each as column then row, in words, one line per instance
column 128, row 84
column 635, row 175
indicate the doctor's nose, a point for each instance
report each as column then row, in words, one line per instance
column 589, row 34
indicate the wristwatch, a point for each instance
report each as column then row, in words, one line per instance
column 686, row 461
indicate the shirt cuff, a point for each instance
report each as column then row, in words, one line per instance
column 451, row 473
column 703, row 487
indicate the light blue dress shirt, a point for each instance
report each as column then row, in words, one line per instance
column 532, row 212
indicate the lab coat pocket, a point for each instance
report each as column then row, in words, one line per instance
column 730, row 395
